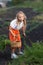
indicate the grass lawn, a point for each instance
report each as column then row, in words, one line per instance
column 37, row 6
column 32, row 55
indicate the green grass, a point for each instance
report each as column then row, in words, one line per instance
column 6, row 23
column 39, row 17
column 37, row 6
column 32, row 55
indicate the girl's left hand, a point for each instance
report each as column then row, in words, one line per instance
column 24, row 34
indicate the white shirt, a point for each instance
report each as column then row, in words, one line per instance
column 14, row 24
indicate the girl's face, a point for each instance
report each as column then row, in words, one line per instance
column 20, row 17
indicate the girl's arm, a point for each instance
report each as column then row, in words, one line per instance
column 24, row 29
column 11, row 31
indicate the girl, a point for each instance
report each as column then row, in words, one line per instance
column 19, row 23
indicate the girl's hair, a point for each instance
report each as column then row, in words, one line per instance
column 20, row 12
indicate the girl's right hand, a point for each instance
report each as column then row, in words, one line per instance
column 15, row 36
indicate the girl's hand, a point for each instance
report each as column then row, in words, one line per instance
column 15, row 36
column 24, row 34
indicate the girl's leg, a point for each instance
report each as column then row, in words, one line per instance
column 13, row 55
column 20, row 52
column 19, row 48
column 13, row 49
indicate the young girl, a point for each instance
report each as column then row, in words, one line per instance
column 19, row 23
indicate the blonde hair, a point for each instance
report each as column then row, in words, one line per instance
column 21, row 12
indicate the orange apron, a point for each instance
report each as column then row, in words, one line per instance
column 15, row 41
